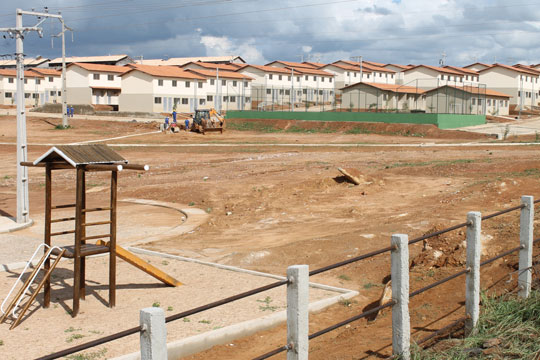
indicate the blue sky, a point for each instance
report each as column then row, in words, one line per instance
column 406, row 31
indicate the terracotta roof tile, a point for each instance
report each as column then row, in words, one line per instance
column 437, row 69
column 46, row 72
column 164, row 71
column 474, row 90
column 292, row 64
column 347, row 67
column 13, row 72
column 270, row 69
column 390, row 87
column 102, row 68
column 508, row 67
column 222, row 74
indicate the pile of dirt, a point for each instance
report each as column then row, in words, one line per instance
column 412, row 130
column 445, row 250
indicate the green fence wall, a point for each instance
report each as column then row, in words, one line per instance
column 443, row 121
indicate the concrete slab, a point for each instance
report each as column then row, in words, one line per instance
column 516, row 127
column 9, row 224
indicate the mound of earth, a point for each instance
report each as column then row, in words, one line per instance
column 444, row 250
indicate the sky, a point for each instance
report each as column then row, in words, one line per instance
column 386, row 31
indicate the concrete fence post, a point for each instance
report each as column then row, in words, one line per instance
column 401, row 325
column 474, row 250
column 153, row 334
column 298, row 312
column 526, row 226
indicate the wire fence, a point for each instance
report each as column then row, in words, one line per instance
column 428, row 96
column 364, row 314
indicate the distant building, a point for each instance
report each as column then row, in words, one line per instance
column 180, row 61
column 466, row 100
column 51, row 85
column 376, row 96
column 33, row 87
column 28, row 63
column 117, row 60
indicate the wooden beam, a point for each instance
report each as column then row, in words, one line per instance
column 136, row 167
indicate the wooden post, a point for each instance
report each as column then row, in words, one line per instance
column 78, row 231
column 48, row 215
column 112, row 247
column 83, row 234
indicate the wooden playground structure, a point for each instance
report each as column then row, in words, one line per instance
column 82, row 158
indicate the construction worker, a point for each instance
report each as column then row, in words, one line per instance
column 174, row 116
column 166, row 127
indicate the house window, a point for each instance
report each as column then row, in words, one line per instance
column 474, row 101
column 232, row 98
column 110, row 77
column 386, row 76
column 479, row 102
column 27, row 95
column 320, row 92
column 234, row 83
column 25, row 81
column 225, row 98
column 268, row 91
column 287, row 92
column 9, row 95
column 246, row 84
column 314, row 78
column 288, row 78
column 11, row 80
column 188, row 84
column 506, row 103
column 174, row 83
column 391, row 76
column 223, row 82
column 160, row 82
column 354, row 74
column 202, row 102
column 280, row 77
column 442, row 77
column 348, row 73
column 519, row 93
column 298, row 78
column 501, row 102
column 367, row 76
column 466, row 77
column 322, row 79
column 157, row 100
column 176, row 101
column 96, row 76
column 248, row 99
column 385, row 97
column 35, row 96
column 330, row 80
column 53, row 93
column 209, row 98
column 488, row 102
column 304, row 91
column 280, row 91
column 199, row 85
column 380, row 74
column 307, row 77
column 270, row 76
column 185, row 101
column 38, row 81
column 51, row 79
column 212, row 82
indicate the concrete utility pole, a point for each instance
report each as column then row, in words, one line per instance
column 359, row 60
column 65, row 123
column 18, row 32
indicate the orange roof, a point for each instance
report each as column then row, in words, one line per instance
column 314, row 64
column 222, row 74
column 403, row 67
column 292, row 64
column 102, row 68
column 47, row 72
column 474, row 90
column 164, row 71
column 270, row 69
column 13, row 72
column 437, row 69
column 462, row 70
column 310, row 71
column 477, row 63
column 519, row 70
column 527, row 67
column 391, row 87
column 213, row 65
column 348, row 67
column 374, row 63
column 365, row 65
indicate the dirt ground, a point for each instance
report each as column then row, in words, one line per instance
column 274, row 206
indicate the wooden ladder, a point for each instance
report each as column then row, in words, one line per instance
column 14, row 304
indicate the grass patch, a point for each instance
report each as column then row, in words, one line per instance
column 344, row 277
column 252, row 126
column 205, row 322
column 71, row 329
column 433, row 162
column 514, row 322
column 361, row 130
column 156, row 304
column 74, row 337
column 88, row 356
column 62, row 127
column 267, row 301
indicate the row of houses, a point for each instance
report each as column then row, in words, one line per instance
column 227, row 82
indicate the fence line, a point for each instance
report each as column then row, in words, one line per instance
column 525, row 249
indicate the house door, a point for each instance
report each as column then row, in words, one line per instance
column 165, row 106
column 191, row 105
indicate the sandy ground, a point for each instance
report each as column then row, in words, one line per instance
column 270, row 207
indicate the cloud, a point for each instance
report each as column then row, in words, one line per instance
column 412, row 31
column 216, row 46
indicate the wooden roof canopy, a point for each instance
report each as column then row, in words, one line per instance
column 92, row 157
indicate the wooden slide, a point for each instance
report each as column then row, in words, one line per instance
column 142, row 265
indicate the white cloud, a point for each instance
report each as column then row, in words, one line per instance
column 307, row 49
column 222, row 45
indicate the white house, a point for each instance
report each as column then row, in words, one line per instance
column 470, row 77
column 8, row 87
column 376, row 96
column 94, row 84
column 375, row 74
column 224, row 90
column 398, row 71
column 148, row 88
column 520, row 83
column 51, row 85
column 346, row 75
column 477, row 66
column 466, row 100
column 429, row 77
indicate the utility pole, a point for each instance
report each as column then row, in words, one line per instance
column 18, row 32
column 359, row 60
column 292, row 89
column 65, row 123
